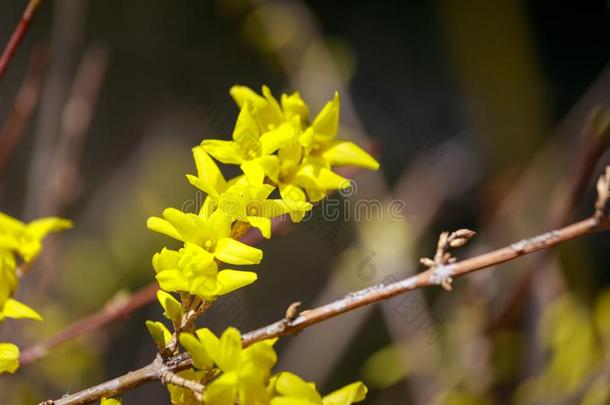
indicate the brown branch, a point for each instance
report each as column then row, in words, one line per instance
column 18, row 35
column 436, row 275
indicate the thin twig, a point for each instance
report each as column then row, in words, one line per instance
column 169, row 377
column 64, row 183
column 431, row 277
column 25, row 103
column 18, row 35
column 115, row 309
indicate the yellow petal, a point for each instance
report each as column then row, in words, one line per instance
column 291, row 385
column 230, row 251
column 227, row 357
column 40, row 228
column 223, row 151
column 327, row 122
column 256, row 169
column 273, row 113
column 275, row 139
column 209, row 178
column 160, row 225
column 241, row 94
column 208, row 339
column 294, row 105
column 262, row 224
column 197, row 350
column 290, row 156
column 9, row 358
column 187, row 225
column 231, row 280
column 314, row 176
column 343, row 153
column 294, row 197
column 246, row 132
column 17, row 310
column 262, row 355
column 349, row 394
column 173, row 309
column 172, row 280
column 223, row 390
column 8, row 242
column 253, row 171
column 11, row 225
column 167, row 259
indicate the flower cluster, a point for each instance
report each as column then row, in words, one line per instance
column 280, row 154
column 246, row 374
column 20, row 244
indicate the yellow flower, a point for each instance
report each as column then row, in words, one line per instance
column 213, row 234
column 26, row 239
column 322, row 151
column 268, row 112
column 307, row 157
column 192, row 269
column 251, row 148
column 290, row 389
column 9, row 358
column 245, row 371
column 241, row 199
column 249, row 203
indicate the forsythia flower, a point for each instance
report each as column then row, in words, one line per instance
column 26, row 239
column 306, row 160
column 290, row 389
column 245, row 198
column 192, row 269
column 246, row 371
column 252, row 146
column 246, row 374
column 212, row 234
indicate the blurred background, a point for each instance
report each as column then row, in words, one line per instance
column 483, row 115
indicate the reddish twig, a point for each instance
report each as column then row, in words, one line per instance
column 118, row 308
column 18, row 35
column 25, row 103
